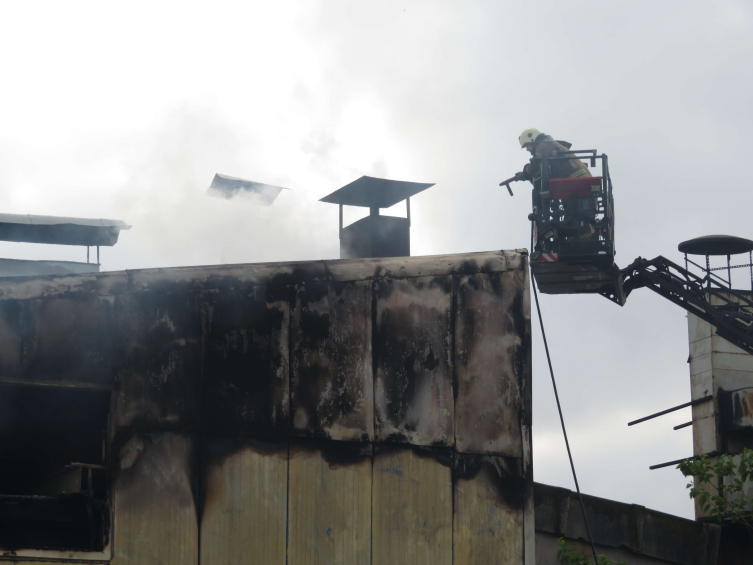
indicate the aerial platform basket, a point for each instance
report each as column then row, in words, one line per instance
column 573, row 230
column 577, row 278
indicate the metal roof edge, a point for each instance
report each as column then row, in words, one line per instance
column 628, row 526
column 257, row 274
column 41, row 220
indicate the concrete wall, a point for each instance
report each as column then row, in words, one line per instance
column 358, row 411
column 725, row 372
column 623, row 532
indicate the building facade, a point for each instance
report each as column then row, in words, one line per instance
column 356, row 411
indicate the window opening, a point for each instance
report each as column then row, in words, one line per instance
column 53, row 480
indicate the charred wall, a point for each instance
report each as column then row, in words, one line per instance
column 339, row 400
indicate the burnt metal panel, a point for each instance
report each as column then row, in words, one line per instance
column 332, row 389
column 245, row 382
column 69, row 339
column 413, row 356
column 155, row 490
column 188, row 344
column 736, row 410
column 376, row 236
column 492, row 336
column 159, row 361
column 223, row 276
column 488, row 509
column 244, row 501
column 11, row 335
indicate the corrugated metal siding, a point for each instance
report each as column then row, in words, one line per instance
column 154, row 500
column 244, row 514
column 412, row 506
column 488, row 511
column 330, row 503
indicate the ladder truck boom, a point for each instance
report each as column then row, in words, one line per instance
column 573, row 248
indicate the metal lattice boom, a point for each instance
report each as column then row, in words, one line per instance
column 733, row 316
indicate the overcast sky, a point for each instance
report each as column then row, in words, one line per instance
column 127, row 110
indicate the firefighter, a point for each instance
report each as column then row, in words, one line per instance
column 539, row 144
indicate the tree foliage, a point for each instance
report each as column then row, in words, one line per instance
column 719, row 487
column 567, row 555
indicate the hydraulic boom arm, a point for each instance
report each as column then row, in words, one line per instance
column 728, row 310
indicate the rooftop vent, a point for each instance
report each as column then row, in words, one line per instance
column 718, row 245
column 56, row 230
column 59, row 230
column 375, row 235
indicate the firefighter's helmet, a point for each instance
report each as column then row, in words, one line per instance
column 528, row 136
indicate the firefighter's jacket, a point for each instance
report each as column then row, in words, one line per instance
column 564, row 169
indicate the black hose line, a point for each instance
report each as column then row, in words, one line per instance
column 562, row 420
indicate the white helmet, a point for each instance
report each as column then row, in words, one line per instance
column 528, row 136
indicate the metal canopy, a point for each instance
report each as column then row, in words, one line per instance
column 371, row 192
column 58, row 230
column 224, row 186
column 716, row 245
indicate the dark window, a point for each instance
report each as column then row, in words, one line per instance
column 53, row 481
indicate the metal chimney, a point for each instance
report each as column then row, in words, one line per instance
column 375, row 235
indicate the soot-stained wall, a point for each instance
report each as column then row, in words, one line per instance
column 354, row 411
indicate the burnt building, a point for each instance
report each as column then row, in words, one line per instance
column 353, row 411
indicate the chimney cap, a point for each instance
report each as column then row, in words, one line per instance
column 716, row 245
column 372, row 192
column 225, row 186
